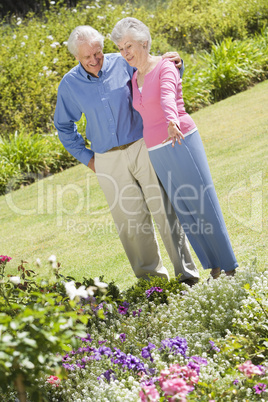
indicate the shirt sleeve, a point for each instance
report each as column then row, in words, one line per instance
column 66, row 114
column 169, row 82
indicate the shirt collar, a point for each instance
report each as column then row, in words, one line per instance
column 101, row 72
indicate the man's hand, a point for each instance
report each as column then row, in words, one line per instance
column 173, row 56
column 91, row 164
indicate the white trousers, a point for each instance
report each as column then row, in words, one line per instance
column 134, row 195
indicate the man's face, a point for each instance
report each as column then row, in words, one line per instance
column 91, row 57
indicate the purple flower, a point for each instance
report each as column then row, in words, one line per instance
column 152, row 290
column 119, row 357
column 236, row 382
column 213, row 346
column 102, row 342
column 82, row 366
column 134, row 363
column 105, row 350
column 68, row 366
column 259, row 388
column 146, row 351
column 122, row 337
column 108, row 375
column 102, row 351
column 176, row 345
column 200, row 360
column 263, row 369
column 87, row 339
column 194, row 366
column 135, row 312
column 129, row 361
column 123, row 309
column 149, row 381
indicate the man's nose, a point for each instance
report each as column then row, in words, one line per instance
column 93, row 59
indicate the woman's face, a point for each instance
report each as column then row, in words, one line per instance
column 132, row 51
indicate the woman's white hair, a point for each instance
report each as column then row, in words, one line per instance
column 82, row 34
column 134, row 28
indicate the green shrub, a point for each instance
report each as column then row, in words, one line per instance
column 232, row 66
column 137, row 292
column 195, row 25
column 27, row 157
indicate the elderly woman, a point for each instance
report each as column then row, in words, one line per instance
column 175, row 147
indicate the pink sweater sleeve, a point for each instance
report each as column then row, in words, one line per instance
column 169, row 82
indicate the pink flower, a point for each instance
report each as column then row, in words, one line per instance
column 176, row 371
column 4, row 259
column 249, row 369
column 149, row 393
column 53, row 380
column 259, row 388
column 176, row 387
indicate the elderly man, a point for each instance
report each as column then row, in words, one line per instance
column 100, row 87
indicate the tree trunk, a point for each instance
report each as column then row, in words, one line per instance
column 19, row 385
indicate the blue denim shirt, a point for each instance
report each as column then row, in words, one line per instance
column 107, row 104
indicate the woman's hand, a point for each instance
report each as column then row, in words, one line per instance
column 174, row 134
column 173, row 56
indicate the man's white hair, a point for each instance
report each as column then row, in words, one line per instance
column 83, row 34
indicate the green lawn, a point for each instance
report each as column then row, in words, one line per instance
column 67, row 214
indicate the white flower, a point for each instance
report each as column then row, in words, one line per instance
column 91, row 290
column 46, row 68
column 55, row 44
column 65, row 43
column 52, row 2
column 15, row 280
column 22, row 44
column 50, row 37
column 72, row 291
column 100, row 284
column 38, row 262
column 74, row 10
column 52, row 259
column 14, row 36
column 25, row 36
column 55, row 60
column 100, row 17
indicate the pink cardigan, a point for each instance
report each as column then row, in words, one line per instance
column 160, row 102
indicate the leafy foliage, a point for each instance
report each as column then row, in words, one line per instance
column 27, row 158
column 220, row 358
column 137, row 292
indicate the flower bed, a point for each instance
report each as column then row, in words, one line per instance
column 157, row 341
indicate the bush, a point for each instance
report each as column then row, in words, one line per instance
column 192, row 25
column 26, row 158
column 234, row 66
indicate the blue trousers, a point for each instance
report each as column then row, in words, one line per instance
column 185, row 175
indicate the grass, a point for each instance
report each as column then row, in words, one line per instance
column 67, row 215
